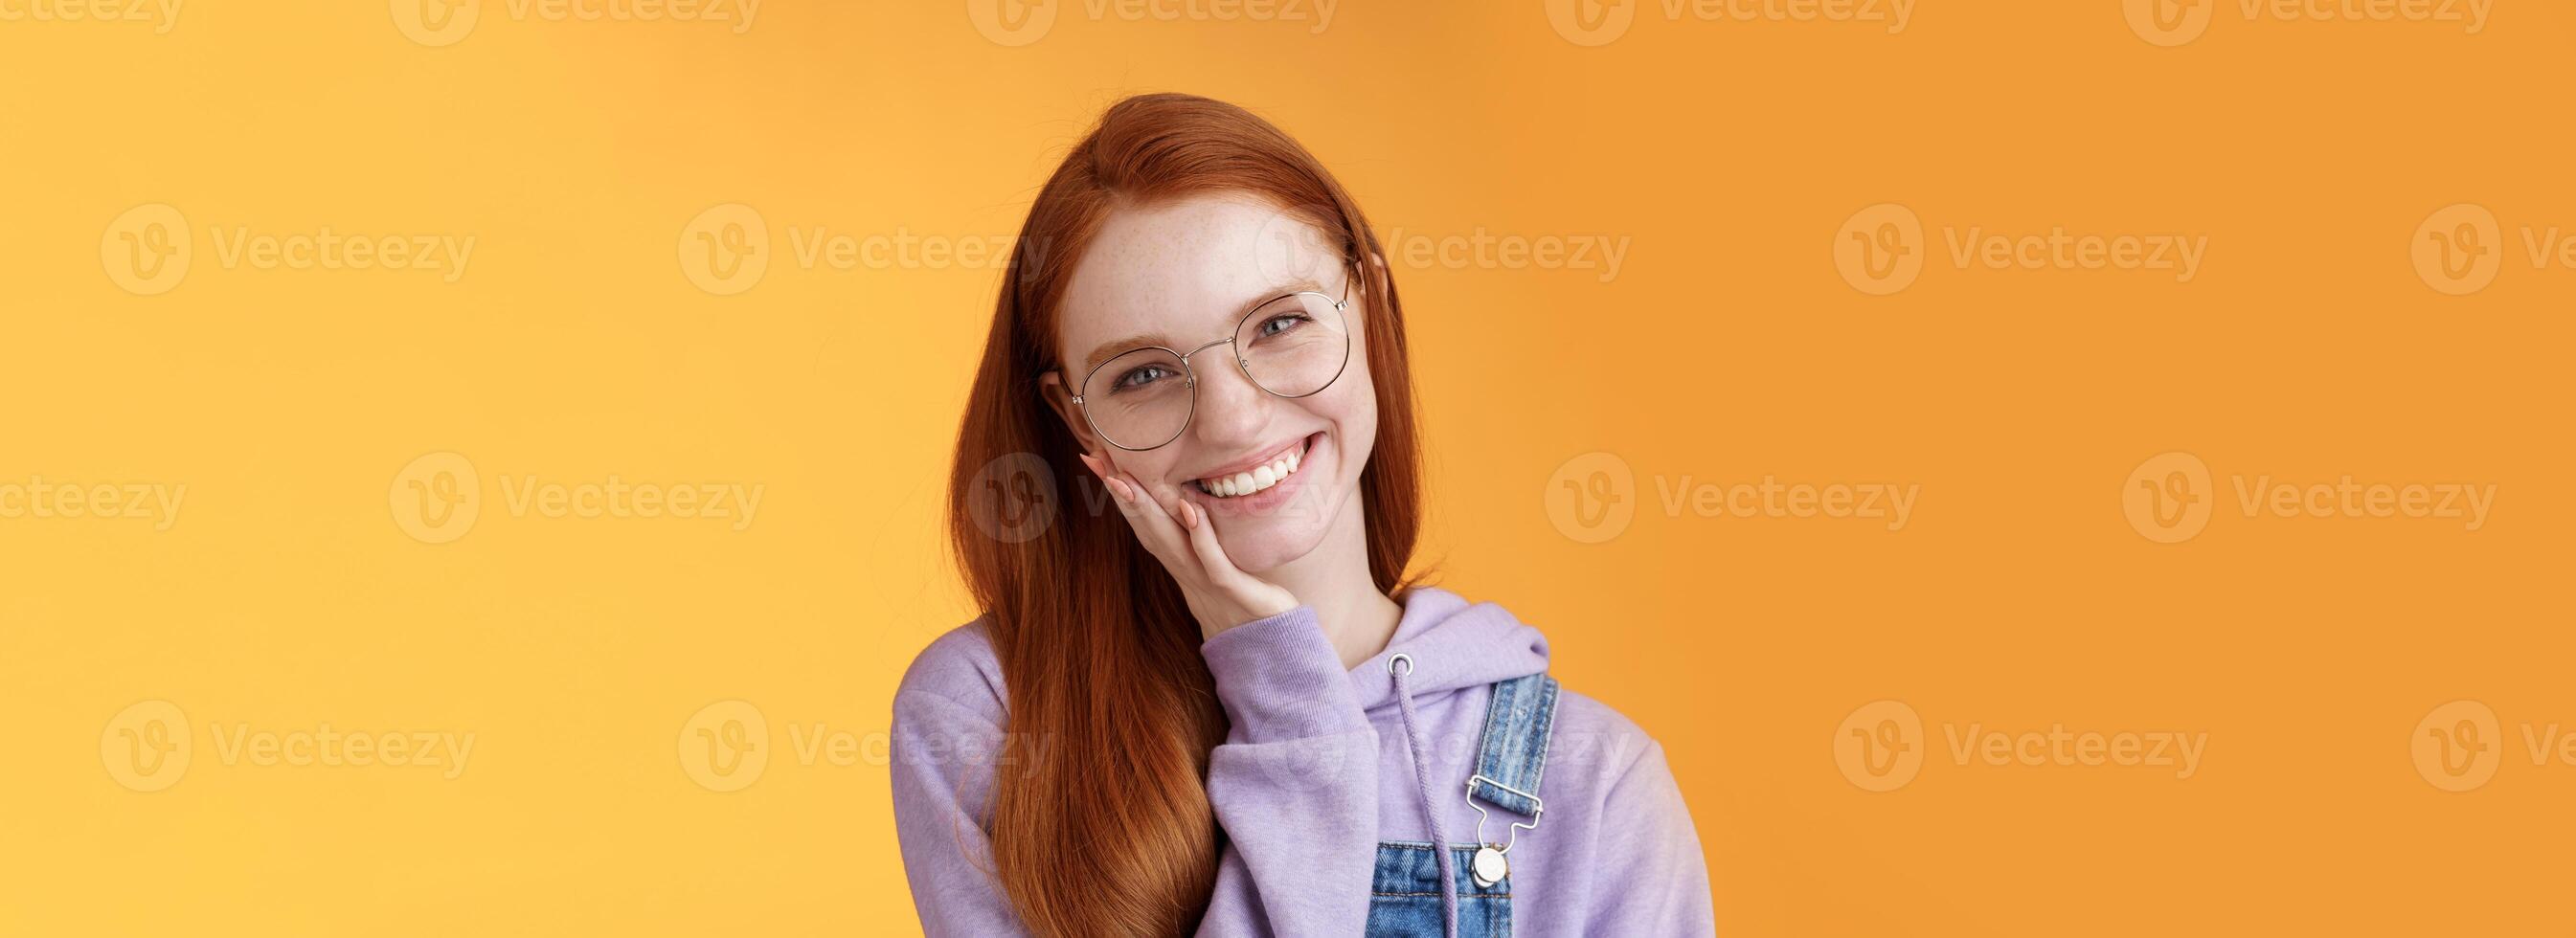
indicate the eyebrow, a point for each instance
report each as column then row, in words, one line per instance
column 1128, row 343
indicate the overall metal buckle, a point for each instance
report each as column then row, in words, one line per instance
column 1491, row 865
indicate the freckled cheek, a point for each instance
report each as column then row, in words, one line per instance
column 1151, row 464
column 1352, row 412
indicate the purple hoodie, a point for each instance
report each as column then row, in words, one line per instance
column 1316, row 772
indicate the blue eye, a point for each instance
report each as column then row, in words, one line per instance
column 1140, row 376
column 1282, row 323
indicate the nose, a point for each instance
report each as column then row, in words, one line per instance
column 1232, row 410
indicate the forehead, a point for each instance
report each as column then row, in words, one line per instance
column 1188, row 269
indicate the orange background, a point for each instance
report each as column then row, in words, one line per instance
column 292, row 590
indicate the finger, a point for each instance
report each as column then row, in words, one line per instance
column 1264, row 598
column 1155, row 525
column 1220, row 568
column 1099, row 468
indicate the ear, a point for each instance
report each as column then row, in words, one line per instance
column 1059, row 398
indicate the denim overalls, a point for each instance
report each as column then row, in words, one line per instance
column 1406, row 899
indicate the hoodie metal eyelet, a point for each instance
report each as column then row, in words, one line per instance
column 1400, row 658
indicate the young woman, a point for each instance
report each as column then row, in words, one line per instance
column 1222, row 707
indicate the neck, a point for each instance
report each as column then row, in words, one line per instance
column 1334, row 579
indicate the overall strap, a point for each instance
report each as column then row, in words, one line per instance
column 1514, row 751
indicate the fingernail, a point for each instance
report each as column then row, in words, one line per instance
column 1190, row 515
column 1120, row 489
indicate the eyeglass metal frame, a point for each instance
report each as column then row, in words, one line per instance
column 1191, row 372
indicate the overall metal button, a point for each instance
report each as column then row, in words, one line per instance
column 1490, row 866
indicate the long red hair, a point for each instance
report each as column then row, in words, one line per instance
column 1111, row 832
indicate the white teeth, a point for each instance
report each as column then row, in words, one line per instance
column 1261, row 477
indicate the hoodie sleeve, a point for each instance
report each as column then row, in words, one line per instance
column 1294, row 785
column 1654, row 858
column 945, row 710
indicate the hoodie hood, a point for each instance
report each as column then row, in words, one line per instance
column 1453, row 645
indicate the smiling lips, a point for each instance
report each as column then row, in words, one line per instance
column 1257, row 478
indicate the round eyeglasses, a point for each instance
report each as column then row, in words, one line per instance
column 1289, row 346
